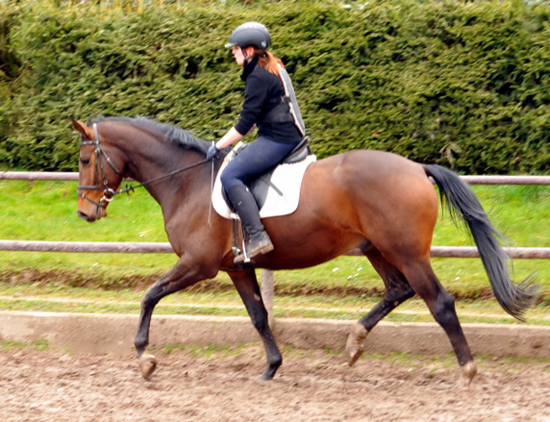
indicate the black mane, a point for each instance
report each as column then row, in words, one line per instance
column 170, row 132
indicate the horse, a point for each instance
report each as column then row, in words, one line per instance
column 384, row 204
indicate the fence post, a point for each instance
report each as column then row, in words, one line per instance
column 267, row 290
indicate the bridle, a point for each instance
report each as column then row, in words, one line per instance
column 109, row 193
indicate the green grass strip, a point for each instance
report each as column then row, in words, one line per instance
column 47, row 211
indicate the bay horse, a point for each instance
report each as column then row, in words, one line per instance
column 379, row 202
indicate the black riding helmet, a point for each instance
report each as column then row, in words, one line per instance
column 250, row 33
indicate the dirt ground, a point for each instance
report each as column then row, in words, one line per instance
column 310, row 386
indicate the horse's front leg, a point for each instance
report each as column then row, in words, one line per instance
column 182, row 275
column 247, row 285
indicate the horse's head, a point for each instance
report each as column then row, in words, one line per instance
column 99, row 172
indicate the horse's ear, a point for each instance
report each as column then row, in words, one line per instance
column 82, row 128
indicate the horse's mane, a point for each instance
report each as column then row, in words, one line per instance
column 170, row 132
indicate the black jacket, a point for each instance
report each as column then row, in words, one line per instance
column 263, row 92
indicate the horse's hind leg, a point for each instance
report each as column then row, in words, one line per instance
column 397, row 291
column 441, row 305
column 247, row 285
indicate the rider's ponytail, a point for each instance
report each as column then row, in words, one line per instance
column 269, row 61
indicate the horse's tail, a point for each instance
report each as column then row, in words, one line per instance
column 461, row 200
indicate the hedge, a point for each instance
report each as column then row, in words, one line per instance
column 463, row 84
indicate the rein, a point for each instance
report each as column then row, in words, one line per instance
column 108, row 193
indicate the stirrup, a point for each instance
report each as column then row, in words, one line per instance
column 241, row 259
column 240, row 255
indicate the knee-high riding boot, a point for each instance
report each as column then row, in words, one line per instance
column 245, row 205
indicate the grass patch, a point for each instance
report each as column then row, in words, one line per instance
column 213, row 351
column 448, row 360
column 347, row 308
column 173, row 348
column 40, row 345
column 47, row 211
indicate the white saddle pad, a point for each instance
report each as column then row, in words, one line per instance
column 286, row 177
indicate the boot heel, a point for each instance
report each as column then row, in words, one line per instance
column 259, row 244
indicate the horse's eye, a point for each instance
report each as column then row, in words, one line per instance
column 84, row 161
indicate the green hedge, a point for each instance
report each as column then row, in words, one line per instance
column 464, row 84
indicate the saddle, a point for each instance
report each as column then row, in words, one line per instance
column 260, row 185
column 277, row 190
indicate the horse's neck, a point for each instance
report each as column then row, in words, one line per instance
column 148, row 162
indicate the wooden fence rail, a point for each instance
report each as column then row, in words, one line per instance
column 164, row 247
column 472, row 180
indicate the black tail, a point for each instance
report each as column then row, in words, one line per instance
column 461, row 200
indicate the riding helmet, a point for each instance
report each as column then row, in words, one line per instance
column 250, row 33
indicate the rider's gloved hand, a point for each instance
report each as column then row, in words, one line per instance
column 212, row 152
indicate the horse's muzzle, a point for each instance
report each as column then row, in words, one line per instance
column 90, row 218
column 84, row 216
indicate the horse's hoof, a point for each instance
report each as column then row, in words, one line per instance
column 353, row 354
column 147, row 364
column 469, row 371
column 264, row 378
column 354, row 344
column 269, row 372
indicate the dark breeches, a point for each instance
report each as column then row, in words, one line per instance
column 257, row 157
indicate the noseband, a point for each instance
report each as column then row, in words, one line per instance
column 108, row 193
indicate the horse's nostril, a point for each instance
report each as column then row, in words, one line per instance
column 85, row 217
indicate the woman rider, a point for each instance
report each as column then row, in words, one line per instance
column 268, row 106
